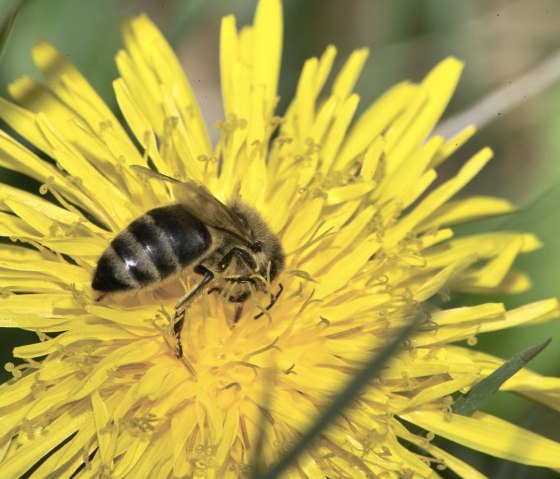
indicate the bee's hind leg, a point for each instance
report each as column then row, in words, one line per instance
column 183, row 304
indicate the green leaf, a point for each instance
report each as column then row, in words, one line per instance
column 355, row 386
column 482, row 391
column 7, row 26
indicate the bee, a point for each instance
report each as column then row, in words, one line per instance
column 229, row 245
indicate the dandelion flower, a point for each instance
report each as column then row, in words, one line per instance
column 367, row 237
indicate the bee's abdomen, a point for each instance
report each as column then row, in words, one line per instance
column 153, row 247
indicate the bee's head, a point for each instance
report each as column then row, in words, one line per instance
column 256, row 247
column 265, row 246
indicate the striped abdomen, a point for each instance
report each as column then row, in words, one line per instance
column 152, row 248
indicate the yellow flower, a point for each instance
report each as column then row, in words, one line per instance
column 368, row 244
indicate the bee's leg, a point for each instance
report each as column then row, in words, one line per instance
column 178, row 320
column 183, row 303
column 241, row 254
column 273, row 299
column 238, row 311
column 100, row 297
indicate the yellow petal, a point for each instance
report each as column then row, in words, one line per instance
column 139, row 124
column 32, row 311
column 468, row 209
column 58, row 431
column 56, row 270
column 438, row 281
column 69, row 457
column 228, row 56
column 297, row 230
column 346, row 79
column 102, row 426
column 15, row 156
column 423, row 443
column 268, row 48
column 461, row 468
column 375, row 120
column 87, row 248
column 483, row 246
column 68, row 83
column 337, row 131
column 343, row 194
column 409, row 172
column 107, row 196
column 138, row 351
column 371, row 158
column 300, row 116
column 94, row 333
column 325, row 64
column 45, row 208
column 532, row 313
column 435, row 199
column 439, row 85
column 150, row 52
column 490, row 435
column 429, row 394
column 131, row 457
column 452, row 145
column 104, row 143
column 493, row 273
column 302, row 110
column 183, row 424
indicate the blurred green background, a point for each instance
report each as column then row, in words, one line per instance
column 499, row 40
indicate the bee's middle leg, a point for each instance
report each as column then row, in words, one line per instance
column 184, row 302
column 273, row 299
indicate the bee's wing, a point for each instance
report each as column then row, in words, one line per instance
column 202, row 204
column 143, row 171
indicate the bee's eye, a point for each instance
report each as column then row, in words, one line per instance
column 256, row 247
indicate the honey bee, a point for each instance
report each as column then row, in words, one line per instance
column 230, row 246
